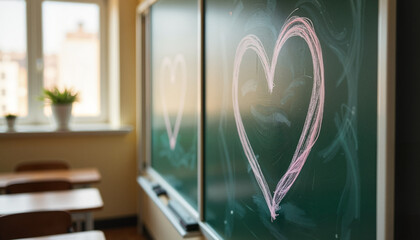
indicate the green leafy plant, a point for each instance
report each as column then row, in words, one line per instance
column 55, row 96
column 10, row 116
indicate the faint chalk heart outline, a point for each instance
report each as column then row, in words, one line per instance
column 168, row 64
column 294, row 27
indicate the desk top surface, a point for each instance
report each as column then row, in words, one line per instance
column 88, row 235
column 76, row 200
column 75, row 176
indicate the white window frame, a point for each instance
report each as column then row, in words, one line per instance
column 35, row 64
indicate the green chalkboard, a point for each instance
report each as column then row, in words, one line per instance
column 290, row 119
column 174, row 90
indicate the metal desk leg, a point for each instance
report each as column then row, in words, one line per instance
column 89, row 221
column 78, row 218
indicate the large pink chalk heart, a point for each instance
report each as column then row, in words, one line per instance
column 170, row 67
column 293, row 27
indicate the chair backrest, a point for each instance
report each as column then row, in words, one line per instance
column 38, row 186
column 42, row 165
column 34, row 224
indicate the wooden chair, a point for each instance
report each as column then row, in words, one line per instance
column 42, row 165
column 38, row 186
column 34, row 224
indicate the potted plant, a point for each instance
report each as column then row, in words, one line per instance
column 11, row 120
column 61, row 102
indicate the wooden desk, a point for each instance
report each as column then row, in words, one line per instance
column 88, row 235
column 77, row 201
column 83, row 176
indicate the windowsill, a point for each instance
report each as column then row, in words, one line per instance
column 75, row 130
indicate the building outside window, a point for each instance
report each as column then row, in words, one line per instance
column 13, row 57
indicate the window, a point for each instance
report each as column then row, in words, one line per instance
column 71, row 51
column 63, row 45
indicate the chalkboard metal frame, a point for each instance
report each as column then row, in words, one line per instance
column 385, row 114
column 144, row 98
column 142, row 51
column 386, row 120
column 201, row 95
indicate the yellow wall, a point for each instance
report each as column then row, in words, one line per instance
column 114, row 156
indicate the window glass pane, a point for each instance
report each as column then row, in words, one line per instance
column 13, row 63
column 71, row 52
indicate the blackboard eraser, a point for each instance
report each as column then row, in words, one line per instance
column 187, row 222
column 159, row 190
